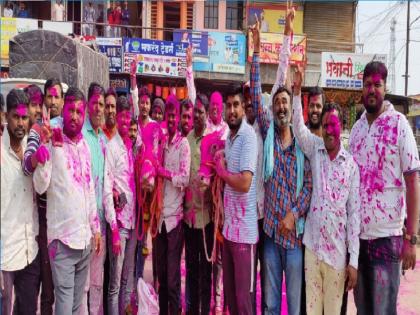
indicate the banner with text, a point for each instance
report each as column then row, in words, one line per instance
column 198, row 41
column 155, row 57
column 112, row 48
column 226, row 54
column 271, row 44
column 345, row 70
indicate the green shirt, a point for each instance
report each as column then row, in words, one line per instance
column 197, row 212
column 97, row 145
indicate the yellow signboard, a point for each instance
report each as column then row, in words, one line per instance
column 273, row 18
column 8, row 30
column 271, row 44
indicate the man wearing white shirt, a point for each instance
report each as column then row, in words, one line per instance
column 333, row 223
column 20, row 264
column 119, row 202
column 169, row 240
column 383, row 145
column 58, row 12
column 71, row 209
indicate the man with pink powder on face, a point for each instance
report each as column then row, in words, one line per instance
column 383, row 145
column 169, row 240
column 215, row 121
column 20, row 258
column 333, row 222
column 119, row 202
column 71, row 209
column 54, row 101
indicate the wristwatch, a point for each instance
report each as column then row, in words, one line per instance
column 411, row 238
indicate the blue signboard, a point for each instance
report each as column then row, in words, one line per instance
column 226, row 53
column 198, row 41
column 112, row 48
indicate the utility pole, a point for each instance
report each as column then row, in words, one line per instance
column 391, row 64
column 407, row 47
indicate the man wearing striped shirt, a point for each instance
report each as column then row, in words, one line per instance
column 240, row 229
column 288, row 184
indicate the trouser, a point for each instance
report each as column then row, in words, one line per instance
column 25, row 283
column 218, row 278
column 168, row 259
column 47, row 286
column 140, row 258
column 121, row 272
column 198, row 278
column 378, row 277
column 95, row 282
column 276, row 261
column 238, row 276
column 324, row 286
column 70, row 269
column 259, row 258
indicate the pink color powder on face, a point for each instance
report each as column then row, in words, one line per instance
column 334, row 126
column 53, row 91
column 210, row 144
column 22, row 110
column 216, row 100
column 36, row 98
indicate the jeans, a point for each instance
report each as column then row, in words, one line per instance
column 378, row 277
column 168, row 258
column 26, row 287
column 198, row 279
column 140, row 258
column 70, row 269
column 276, row 261
column 238, row 277
column 121, row 272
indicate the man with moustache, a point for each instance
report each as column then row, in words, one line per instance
column 333, row 223
column 20, row 263
column 54, row 101
column 36, row 100
column 71, row 209
column 288, row 183
column 383, row 146
column 240, row 229
column 316, row 104
column 186, row 121
column 96, row 140
column 196, row 218
column 110, row 127
column 119, row 185
column 169, row 240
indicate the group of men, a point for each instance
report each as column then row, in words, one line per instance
column 294, row 198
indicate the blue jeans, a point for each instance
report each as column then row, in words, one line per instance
column 276, row 261
column 378, row 276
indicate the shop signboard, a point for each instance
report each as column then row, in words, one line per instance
column 345, row 70
column 198, row 41
column 155, row 57
column 273, row 18
column 226, row 54
column 271, row 44
column 7, row 31
column 112, row 48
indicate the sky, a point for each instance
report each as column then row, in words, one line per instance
column 373, row 31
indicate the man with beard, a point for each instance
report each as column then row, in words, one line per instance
column 186, row 121
column 316, row 103
column 169, row 240
column 383, row 146
column 288, row 183
column 240, row 229
column 110, row 127
column 196, row 218
column 71, row 209
column 20, row 265
column 133, row 131
column 333, row 223
column 96, row 140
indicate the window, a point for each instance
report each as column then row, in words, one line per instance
column 211, row 14
column 234, row 14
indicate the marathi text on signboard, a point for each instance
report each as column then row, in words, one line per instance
column 226, row 54
column 112, row 48
column 271, row 45
column 345, row 70
column 198, row 41
column 155, row 57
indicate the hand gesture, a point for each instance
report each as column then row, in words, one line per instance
column 290, row 16
column 298, row 77
column 189, row 56
column 133, row 68
column 42, row 155
column 255, row 30
column 45, row 131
